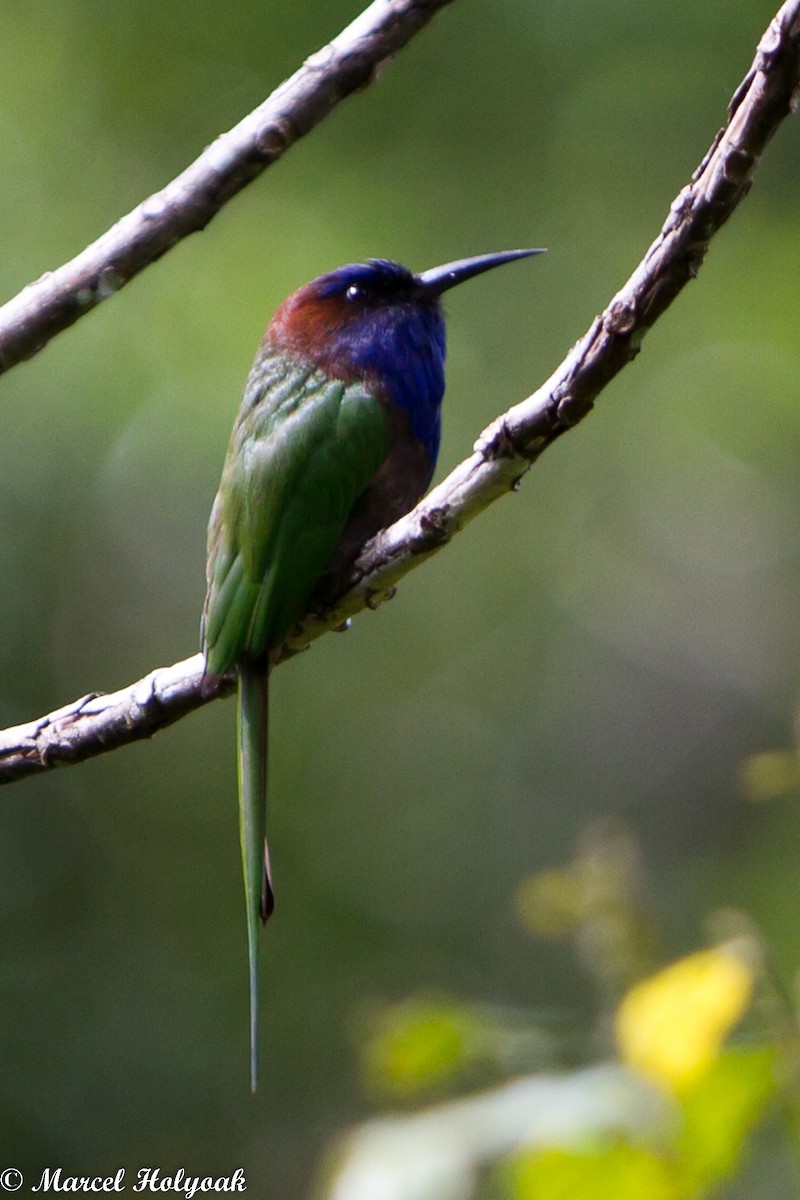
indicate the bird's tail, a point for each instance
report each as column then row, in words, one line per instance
column 252, row 714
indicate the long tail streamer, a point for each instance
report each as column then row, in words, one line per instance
column 252, row 722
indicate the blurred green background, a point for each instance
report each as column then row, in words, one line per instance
column 614, row 641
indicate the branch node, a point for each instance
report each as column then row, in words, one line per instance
column 276, row 138
column 434, row 525
column 109, row 281
column 571, row 407
column 770, row 44
column 737, row 165
column 682, row 204
column 497, row 442
column 619, row 319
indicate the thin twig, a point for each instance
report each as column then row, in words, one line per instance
column 504, row 451
column 349, row 62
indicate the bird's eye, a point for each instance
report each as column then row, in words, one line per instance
column 354, row 292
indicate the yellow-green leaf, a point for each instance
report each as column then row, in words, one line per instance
column 616, row 1172
column 722, row 1107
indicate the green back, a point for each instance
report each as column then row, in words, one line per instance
column 303, row 449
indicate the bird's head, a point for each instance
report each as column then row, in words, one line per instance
column 352, row 319
column 380, row 324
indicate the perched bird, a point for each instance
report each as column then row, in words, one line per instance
column 336, row 437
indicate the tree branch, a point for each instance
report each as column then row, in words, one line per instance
column 98, row 722
column 350, row 61
column 503, row 452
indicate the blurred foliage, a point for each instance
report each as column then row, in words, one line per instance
column 670, row 1026
column 432, row 1044
column 423, row 1046
column 668, row 1114
column 619, row 640
column 599, row 898
column 771, row 774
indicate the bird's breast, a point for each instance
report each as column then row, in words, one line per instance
column 399, row 483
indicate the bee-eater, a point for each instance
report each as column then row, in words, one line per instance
column 336, row 437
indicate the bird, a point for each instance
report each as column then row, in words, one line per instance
column 337, row 436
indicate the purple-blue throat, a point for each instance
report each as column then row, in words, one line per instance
column 380, row 324
column 400, row 349
column 373, row 322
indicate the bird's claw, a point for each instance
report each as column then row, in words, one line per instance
column 376, row 597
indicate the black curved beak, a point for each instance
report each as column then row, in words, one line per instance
column 440, row 279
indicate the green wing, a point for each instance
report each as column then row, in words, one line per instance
column 303, row 449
